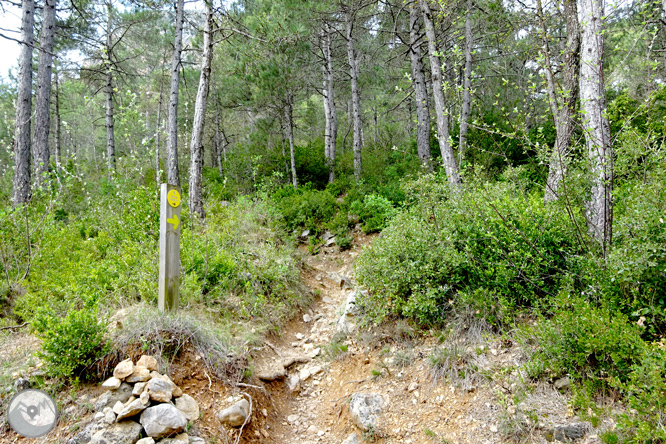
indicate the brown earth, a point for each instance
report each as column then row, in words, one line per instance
column 484, row 397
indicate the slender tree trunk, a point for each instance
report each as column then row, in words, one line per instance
column 564, row 110
column 449, row 160
column 218, row 151
column 22, row 154
column 420, row 91
column 289, row 128
column 173, row 177
column 467, row 86
column 58, row 126
column 43, row 96
column 355, row 96
column 196, row 147
column 158, row 131
column 110, row 137
column 286, row 162
column 331, row 134
column 595, row 123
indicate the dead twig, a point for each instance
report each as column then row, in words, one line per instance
column 14, row 327
column 247, row 418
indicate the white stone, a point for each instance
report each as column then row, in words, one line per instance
column 148, row 361
column 112, row 383
column 124, row 369
column 188, row 406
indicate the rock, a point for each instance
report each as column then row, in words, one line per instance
column 339, row 280
column 413, row 386
column 327, row 300
column 131, row 408
column 148, row 361
column 294, row 384
column 272, row 373
column 109, row 415
column 292, row 418
column 118, row 407
column 330, row 242
column 109, row 398
column 160, row 390
column 177, row 392
column 236, row 415
column 140, row 374
column 350, row 307
column 365, row 408
column 139, row 387
column 85, row 435
column 306, row 318
column 124, row 369
column 21, row 384
column 345, row 325
column 316, row 370
column 183, row 438
column 327, row 235
column 313, row 429
column 197, row 440
column 126, row 432
column 188, row 406
column 304, row 374
column 351, row 439
column 145, row 398
column 570, row 432
column 148, row 440
column 305, row 233
column 112, row 383
column 99, row 416
column 300, row 336
column 163, row 420
column 562, row 383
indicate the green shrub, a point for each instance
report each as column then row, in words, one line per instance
column 305, row 208
column 72, row 343
column 586, row 342
column 489, row 237
column 374, row 211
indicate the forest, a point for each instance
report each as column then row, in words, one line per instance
column 510, row 154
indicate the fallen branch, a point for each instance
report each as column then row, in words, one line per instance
column 247, row 418
column 14, row 327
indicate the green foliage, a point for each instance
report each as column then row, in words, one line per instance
column 305, row 207
column 72, row 343
column 375, row 212
column 492, row 238
column 586, row 341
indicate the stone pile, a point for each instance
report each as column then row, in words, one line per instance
column 140, row 402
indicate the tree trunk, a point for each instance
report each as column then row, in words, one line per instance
column 110, row 137
column 196, row 147
column 595, row 123
column 420, row 91
column 158, row 130
column 289, row 128
column 448, row 159
column 564, row 112
column 331, row 133
column 172, row 144
column 355, row 95
column 43, row 96
column 58, row 126
column 467, row 86
column 22, row 147
column 218, row 153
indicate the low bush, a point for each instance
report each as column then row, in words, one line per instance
column 375, row 212
column 488, row 237
column 71, row 343
column 305, row 208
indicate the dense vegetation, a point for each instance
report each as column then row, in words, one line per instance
column 481, row 234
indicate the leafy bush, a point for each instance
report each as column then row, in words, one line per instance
column 375, row 212
column 489, row 237
column 586, row 341
column 305, row 207
column 72, row 343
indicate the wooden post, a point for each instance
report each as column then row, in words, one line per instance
column 169, row 247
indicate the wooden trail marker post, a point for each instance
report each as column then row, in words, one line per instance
column 170, row 229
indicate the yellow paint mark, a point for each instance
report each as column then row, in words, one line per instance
column 174, row 221
column 173, row 198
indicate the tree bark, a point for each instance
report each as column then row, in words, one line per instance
column 58, row 125
column 218, row 151
column 330, row 111
column 564, row 110
column 158, row 130
column 22, row 154
column 43, row 96
column 467, row 86
column 172, row 143
column 448, row 159
column 355, row 95
column 595, row 123
column 420, row 91
column 110, row 137
column 289, row 129
column 196, row 147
